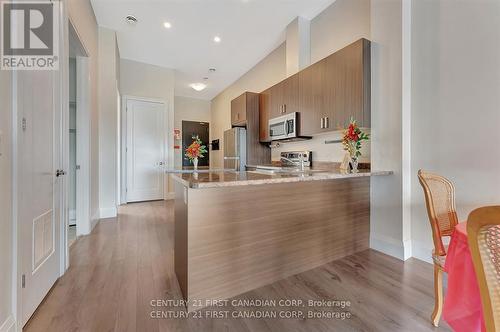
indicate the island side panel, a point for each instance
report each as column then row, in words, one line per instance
column 245, row 237
column 181, row 237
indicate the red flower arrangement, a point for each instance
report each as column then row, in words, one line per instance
column 353, row 136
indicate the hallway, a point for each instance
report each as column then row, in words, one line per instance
column 124, row 264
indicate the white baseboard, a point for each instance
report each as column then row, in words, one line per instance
column 422, row 251
column 9, row 325
column 170, row 195
column 94, row 221
column 387, row 245
column 108, row 212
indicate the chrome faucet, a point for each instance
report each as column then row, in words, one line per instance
column 300, row 163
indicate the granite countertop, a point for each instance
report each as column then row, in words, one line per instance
column 201, row 169
column 214, row 179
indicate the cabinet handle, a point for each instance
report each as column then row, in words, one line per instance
column 322, row 123
column 284, row 108
column 327, row 123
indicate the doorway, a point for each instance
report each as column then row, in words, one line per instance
column 191, row 129
column 145, row 149
column 78, row 138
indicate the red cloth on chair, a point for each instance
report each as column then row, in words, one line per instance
column 462, row 308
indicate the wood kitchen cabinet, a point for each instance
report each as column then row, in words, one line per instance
column 312, row 101
column 335, row 89
column 326, row 94
column 245, row 113
column 239, row 110
column 278, row 100
column 347, row 86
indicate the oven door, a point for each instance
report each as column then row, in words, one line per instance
column 277, row 129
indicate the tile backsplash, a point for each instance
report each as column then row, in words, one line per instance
column 320, row 151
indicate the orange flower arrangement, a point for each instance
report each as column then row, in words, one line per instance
column 196, row 149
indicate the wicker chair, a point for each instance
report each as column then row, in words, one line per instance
column 483, row 233
column 440, row 201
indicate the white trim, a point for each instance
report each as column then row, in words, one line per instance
column 83, row 222
column 72, row 214
column 9, row 325
column 108, row 212
column 94, row 221
column 387, row 245
column 170, row 195
column 407, row 173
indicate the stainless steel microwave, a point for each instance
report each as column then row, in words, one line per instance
column 285, row 127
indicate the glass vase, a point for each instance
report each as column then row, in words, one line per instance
column 354, row 164
column 195, row 163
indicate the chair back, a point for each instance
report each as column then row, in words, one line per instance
column 483, row 233
column 440, row 201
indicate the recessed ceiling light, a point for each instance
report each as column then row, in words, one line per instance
column 131, row 19
column 167, row 25
column 198, row 86
column 217, row 39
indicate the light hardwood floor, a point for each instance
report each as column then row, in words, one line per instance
column 126, row 263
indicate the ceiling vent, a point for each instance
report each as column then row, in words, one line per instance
column 131, row 19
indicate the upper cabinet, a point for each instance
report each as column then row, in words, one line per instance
column 245, row 113
column 278, row 100
column 347, row 86
column 239, row 110
column 327, row 94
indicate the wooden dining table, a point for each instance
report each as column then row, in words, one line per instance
column 462, row 308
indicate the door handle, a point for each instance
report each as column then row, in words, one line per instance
column 60, row 172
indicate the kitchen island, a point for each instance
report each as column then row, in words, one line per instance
column 237, row 231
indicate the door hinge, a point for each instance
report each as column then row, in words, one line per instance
column 23, row 281
column 23, row 124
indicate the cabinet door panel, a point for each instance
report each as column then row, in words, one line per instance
column 264, row 115
column 312, row 98
column 344, row 86
column 290, row 94
column 238, row 110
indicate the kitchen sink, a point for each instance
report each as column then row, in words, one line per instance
column 284, row 170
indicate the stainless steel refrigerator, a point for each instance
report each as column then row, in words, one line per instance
column 235, row 149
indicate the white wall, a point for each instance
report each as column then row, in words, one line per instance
column 269, row 71
column 6, row 231
column 82, row 17
column 456, row 105
column 143, row 80
column 188, row 109
column 108, row 120
column 342, row 23
column 386, row 233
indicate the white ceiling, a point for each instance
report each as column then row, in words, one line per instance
column 249, row 29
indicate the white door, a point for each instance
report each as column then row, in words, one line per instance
column 39, row 216
column 145, row 150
